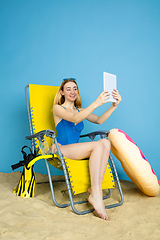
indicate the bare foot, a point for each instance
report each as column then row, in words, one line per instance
column 98, row 205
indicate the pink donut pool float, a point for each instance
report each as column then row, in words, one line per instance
column 134, row 162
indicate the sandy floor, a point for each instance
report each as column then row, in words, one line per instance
column 38, row 218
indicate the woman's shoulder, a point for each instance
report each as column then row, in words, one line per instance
column 57, row 108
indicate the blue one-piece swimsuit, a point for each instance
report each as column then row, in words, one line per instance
column 68, row 132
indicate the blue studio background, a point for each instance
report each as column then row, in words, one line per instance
column 43, row 42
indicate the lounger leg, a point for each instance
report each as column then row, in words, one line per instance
column 52, row 189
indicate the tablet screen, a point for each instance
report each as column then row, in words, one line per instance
column 110, row 83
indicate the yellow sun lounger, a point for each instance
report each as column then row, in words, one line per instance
column 39, row 99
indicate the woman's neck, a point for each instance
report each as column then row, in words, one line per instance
column 69, row 105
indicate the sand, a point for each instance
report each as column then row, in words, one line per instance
column 38, row 218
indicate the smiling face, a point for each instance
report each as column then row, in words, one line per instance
column 70, row 91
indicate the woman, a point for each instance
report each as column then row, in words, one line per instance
column 69, row 116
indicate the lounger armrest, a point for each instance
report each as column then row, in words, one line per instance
column 39, row 135
column 92, row 135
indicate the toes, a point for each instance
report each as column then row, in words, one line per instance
column 101, row 215
column 107, row 218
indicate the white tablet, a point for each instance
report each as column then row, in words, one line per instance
column 110, row 83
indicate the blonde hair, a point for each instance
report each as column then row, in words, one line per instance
column 60, row 99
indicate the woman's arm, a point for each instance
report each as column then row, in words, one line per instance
column 99, row 120
column 84, row 113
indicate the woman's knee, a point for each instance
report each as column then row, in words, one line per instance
column 98, row 145
column 106, row 143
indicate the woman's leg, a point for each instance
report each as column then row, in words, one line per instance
column 95, row 197
column 106, row 150
column 95, row 151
